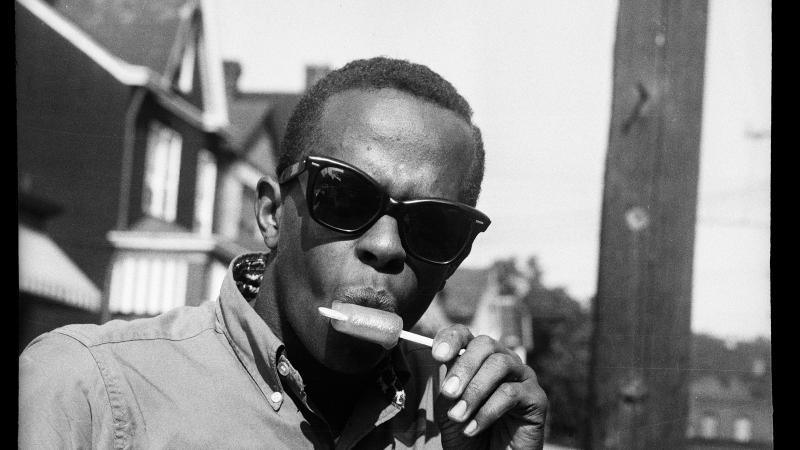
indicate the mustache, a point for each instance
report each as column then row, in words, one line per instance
column 367, row 296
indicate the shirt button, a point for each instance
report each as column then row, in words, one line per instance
column 283, row 368
column 276, row 397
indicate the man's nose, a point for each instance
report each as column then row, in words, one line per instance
column 380, row 246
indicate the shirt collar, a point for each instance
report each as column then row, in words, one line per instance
column 259, row 349
column 253, row 341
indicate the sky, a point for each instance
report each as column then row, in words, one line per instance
column 538, row 77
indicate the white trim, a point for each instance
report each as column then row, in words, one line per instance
column 217, row 111
column 174, row 60
column 148, row 285
column 167, row 241
column 171, row 101
column 126, row 73
column 216, row 274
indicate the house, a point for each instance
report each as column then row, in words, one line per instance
column 730, row 406
column 487, row 301
column 126, row 121
column 53, row 291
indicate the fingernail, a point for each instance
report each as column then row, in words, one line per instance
column 457, row 411
column 451, row 385
column 471, row 427
column 441, row 350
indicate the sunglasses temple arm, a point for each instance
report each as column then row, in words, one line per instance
column 292, row 171
column 419, row 339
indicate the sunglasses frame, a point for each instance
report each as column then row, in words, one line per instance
column 389, row 206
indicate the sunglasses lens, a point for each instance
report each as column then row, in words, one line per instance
column 436, row 231
column 343, row 199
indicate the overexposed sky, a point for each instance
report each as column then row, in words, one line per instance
column 731, row 292
column 538, row 76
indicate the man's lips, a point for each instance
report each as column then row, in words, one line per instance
column 367, row 296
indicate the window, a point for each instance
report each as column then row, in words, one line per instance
column 709, row 426
column 742, row 430
column 759, row 367
column 162, row 170
column 186, row 70
column 204, row 193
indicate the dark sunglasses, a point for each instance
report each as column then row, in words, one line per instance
column 345, row 199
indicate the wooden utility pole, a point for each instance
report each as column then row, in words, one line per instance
column 641, row 345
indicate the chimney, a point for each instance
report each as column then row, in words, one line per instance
column 315, row 73
column 232, row 70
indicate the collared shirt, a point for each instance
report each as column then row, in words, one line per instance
column 210, row 376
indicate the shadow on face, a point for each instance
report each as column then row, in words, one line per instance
column 413, row 149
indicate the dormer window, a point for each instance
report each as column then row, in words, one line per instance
column 185, row 79
column 162, row 171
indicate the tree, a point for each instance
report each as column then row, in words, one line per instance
column 560, row 355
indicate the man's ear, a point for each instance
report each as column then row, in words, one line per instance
column 268, row 210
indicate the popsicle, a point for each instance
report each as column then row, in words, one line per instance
column 373, row 325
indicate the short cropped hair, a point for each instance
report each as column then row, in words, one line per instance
column 379, row 73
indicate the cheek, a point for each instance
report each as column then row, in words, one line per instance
column 324, row 268
column 430, row 277
column 428, row 281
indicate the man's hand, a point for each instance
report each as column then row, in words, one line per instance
column 489, row 398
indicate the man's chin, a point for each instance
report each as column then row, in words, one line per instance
column 349, row 355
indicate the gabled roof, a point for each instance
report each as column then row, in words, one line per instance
column 141, row 32
column 281, row 107
column 257, row 125
column 252, row 112
column 463, row 290
column 247, row 115
column 141, row 43
column 124, row 72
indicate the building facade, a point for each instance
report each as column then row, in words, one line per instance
column 127, row 123
column 732, row 409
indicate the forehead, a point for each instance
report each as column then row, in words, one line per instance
column 413, row 147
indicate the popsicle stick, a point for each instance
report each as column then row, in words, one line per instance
column 407, row 335
column 413, row 337
column 419, row 339
column 331, row 314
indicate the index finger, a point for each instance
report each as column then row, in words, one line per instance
column 450, row 342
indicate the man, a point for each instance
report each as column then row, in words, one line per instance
column 373, row 206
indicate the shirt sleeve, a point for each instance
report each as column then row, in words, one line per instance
column 59, row 382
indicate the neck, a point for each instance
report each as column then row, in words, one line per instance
column 333, row 393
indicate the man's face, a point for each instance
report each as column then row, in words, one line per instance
column 414, row 149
